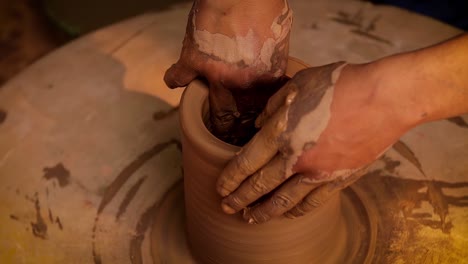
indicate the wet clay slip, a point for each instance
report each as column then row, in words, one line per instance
column 323, row 236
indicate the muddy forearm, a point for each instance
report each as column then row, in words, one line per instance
column 224, row 5
column 245, row 46
column 236, row 17
column 427, row 84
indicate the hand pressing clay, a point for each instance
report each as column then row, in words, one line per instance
column 293, row 122
column 241, row 53
column 215, row 237
column 328, row 123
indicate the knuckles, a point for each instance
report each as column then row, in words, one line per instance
column 297, row 211
column 257, row 216
column 244, row 165
column 281, row 201
column 312, row 202
column 257, row 184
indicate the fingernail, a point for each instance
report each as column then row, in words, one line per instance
column 290, row 98
column 227, row 209
column 251, row 221
column 248, row 217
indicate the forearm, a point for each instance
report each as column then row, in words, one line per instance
column 427, row 84
column 240, row 16
column 259, row 6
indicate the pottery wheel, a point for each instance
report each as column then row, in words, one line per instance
column 169, row 245
column 90, row 153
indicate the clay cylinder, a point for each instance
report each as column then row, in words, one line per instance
column 215, row 237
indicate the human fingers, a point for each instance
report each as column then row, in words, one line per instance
column 322, row 194
column 262, row 182
column 285, row 198
column 284, row 96
column 179, row 75
column 223, row 110
column 258, row 152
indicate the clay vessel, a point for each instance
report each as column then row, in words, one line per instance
column 215, row 237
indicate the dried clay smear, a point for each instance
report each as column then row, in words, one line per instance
column 309, row 129
column 241, row 49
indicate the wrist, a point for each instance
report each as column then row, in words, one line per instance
column 393, row 77
column 363, row 88
column 427, row 84
column 238, row 15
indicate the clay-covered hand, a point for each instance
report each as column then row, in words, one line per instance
column 319, row 132
column 240, row 51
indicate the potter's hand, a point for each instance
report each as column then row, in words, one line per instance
column 321, row 129
column 237, row 46
column 318, row 134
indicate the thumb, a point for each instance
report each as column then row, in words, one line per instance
column 179, row 76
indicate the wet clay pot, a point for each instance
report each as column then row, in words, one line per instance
column 215, row 237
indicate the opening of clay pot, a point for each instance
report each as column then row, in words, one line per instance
column 215, row 237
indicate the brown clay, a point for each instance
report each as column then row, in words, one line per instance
column 169, row 239
column 215, row 237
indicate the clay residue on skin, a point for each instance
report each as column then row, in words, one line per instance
column 309, row 114
column 267, row 52
column 339, row 174
column 285, row 19
column 259, row 53
column 246, row 51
